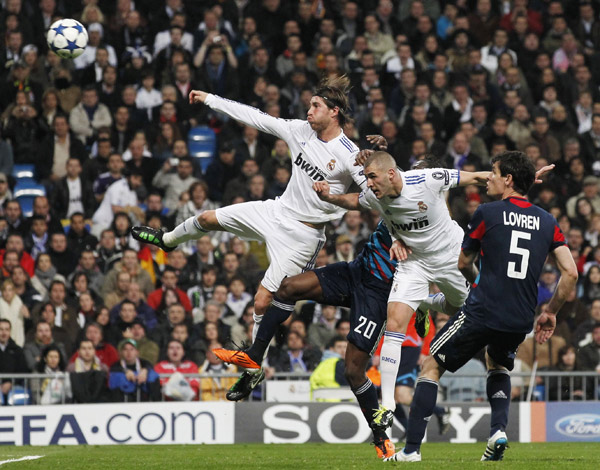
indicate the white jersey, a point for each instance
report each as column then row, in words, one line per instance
column 313, row 160
column 419, row 216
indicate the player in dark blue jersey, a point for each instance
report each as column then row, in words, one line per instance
column 512, row 238
column 363, row 285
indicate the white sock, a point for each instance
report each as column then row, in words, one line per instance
column 388, row 366
column 435, row 302
column 189, row 229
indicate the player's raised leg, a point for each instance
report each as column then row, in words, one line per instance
column 193, row 228
column 299, row 287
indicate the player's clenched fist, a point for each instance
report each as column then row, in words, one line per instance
column 322, row 190
column 197, row 96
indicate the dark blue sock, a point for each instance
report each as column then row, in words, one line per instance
column 421, row 410
column 400, row 416
column 366, row 395
column 276, row 314
column 438, row 410
column 498, row 392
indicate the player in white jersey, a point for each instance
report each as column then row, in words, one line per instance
column 413, row 205
column 292, row 226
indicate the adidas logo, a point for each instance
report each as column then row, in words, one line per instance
column 443, row 359
column 499, row 394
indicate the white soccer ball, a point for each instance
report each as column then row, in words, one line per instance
column 67, row 38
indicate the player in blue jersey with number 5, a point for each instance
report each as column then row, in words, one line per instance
column 513, row 239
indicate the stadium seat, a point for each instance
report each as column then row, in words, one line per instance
column 28, row 188
column 202, row 145
column 23, row 171
column 25, row 192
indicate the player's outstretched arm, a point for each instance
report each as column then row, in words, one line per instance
column 347, row 201
column 546, row 323
column 480, row 178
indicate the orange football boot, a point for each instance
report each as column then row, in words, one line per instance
column 385, row 448
column 239, row 358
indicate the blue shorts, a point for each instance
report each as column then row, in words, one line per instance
column 463, row 337
column 408, row 370
column 351, row 285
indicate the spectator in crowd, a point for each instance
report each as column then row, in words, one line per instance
column 88, row 116
column 57, row 148
column 176, row 362
column 132, row 376
column 330, row 371
column 105, row 351
column 72, row 194
column 12, row 358
column 12, row 309
column 147, row 348
column 175, row 184
column 86, row 359
column 295, row 357
column 588, row 357
column 43, row 338
column 129, row 263
column 120, row 196
column 56, row 389
column 214, row 388
column 321, row 332
column 168, row 281
column 24, row 288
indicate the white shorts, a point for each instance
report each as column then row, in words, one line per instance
column 292, row 246
column 413, row 276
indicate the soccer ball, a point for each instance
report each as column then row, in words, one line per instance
column 67, row 38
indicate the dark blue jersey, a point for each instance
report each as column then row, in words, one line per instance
column 513, row 238
column 375, row 256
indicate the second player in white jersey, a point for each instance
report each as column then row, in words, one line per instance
column 419, row 215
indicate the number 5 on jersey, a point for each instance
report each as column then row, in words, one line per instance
column 515, row 249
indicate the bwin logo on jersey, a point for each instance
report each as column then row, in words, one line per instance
column 414, row 225
column 312, row 171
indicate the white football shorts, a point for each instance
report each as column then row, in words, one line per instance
column 413, row 276
column 292, row 246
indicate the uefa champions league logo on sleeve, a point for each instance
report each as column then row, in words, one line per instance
column 581, row 425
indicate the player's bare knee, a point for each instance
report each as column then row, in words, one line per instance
column 431, row 369
column 262, row 302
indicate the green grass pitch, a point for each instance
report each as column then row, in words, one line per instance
column 311, row 456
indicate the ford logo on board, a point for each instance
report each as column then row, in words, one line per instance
column 582, row 425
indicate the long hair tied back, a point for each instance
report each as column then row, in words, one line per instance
column 334, row 92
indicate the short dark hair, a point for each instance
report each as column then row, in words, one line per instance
column 519, row 166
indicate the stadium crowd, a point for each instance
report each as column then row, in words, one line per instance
column 107, row 133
